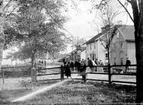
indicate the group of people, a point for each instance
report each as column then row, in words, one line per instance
column 80, row 66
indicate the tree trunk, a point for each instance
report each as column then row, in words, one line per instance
column 33, row 58
column 138, row 24
column 1, row 34
column 109, row 67
column 33, row 69
column 1, row 54
column 139, row 57
column 1, row 58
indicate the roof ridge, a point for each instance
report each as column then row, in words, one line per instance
column 102, row 32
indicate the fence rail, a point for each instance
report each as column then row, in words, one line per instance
column 108, row 71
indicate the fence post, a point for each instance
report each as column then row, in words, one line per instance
column 109, row 73
column 62, row 72
column 3, row 75
column 33, row 75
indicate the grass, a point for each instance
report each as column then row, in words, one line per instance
column 75, row 92
column 8, row 95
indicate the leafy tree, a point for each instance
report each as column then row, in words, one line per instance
column 6, row 17
column 50, row 43
column 37, row 33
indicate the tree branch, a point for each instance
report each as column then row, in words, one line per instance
column 56, row 21
column 7, row 4
column 102, row 43
column 129, row 1
column 100, row 4
column 126, row 9
column 11, row 12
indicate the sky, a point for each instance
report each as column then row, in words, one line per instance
column 81, row 19
column 84, row 21
column 79, row 23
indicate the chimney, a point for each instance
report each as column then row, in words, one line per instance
column 107, row 27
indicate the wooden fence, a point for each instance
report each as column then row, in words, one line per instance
column 114, row 70
column 58, row 73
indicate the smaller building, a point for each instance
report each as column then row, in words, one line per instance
column 95, row 49
column 123, row 46
column 78, row 54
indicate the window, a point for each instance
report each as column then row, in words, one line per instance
column 117, row 38
column 95, row 45
column 114, row 61
column 121, row 61
column 90, row 55
column 88, row 47
column 106, row 55
column 121, row 45
column 118, row 35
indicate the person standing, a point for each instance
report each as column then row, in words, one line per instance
column 67, row 69
column 72, row 65
column 77, row 65
column 83, row 70
column 128, row 63
column 90, row 64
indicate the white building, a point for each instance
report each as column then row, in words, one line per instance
column 121, row 47
column 95, row 49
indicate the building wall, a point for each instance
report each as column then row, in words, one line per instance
column 83, row 55
column 96, row 50
column 120, row 50
column 90, row 50
column 131, row 52
column 101, row 52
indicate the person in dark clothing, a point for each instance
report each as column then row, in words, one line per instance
column 83, row 70
column 96, row 62
column 67, row 70
column 90, row 64
column 128, row 63
column 72, row 65
column 62, row 72
column 77, row 65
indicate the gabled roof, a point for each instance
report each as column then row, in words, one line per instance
column 127, row 30
column 97, row 36
column 82, row 49
column 93, row 39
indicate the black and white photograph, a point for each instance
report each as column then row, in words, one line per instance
column 71, row 52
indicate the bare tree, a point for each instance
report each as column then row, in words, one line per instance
column 108, row 21
column 137, row 8
column 76, row 41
